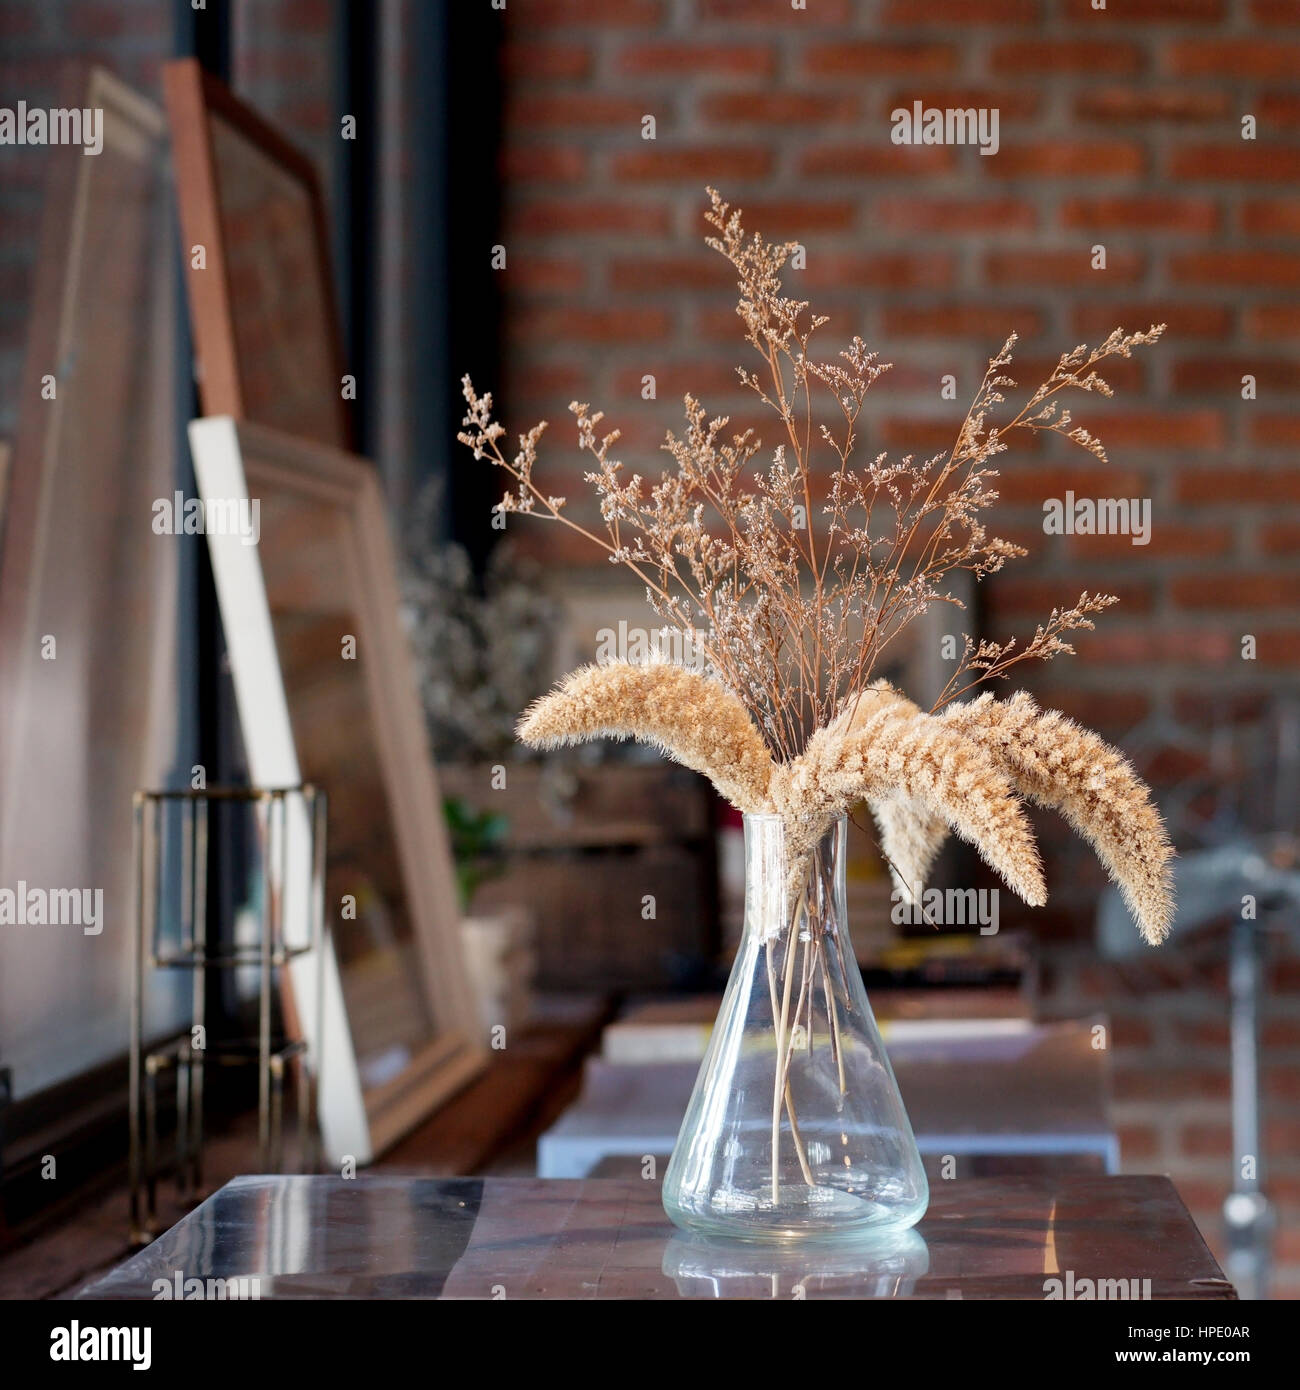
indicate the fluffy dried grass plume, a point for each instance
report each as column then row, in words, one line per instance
column 689, row 716
column 1056, row 763
column 792, row 571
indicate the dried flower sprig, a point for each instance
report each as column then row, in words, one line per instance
column 793, row 598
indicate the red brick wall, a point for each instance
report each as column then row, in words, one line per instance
column 1120, row 127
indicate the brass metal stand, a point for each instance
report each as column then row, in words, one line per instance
column 189, row 1055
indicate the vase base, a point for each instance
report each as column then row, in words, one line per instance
column 804, row 1214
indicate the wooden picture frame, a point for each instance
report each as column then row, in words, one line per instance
column 326, row 693
column 263, row 314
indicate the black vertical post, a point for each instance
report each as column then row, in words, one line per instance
column 206, row 35
column 356, row 205
column 455, row 223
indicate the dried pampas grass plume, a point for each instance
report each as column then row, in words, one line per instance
column 689, row 716
column 1056, row 763
column 897, row 750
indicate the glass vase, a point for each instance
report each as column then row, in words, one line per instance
column 795, row 1130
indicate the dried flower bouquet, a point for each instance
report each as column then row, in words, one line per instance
column 793, row 598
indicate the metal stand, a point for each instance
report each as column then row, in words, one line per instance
column 1247, row 1212
column 189, row 1056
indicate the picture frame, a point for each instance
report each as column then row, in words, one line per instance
column 264, row 317
column 326, row 693
column 92, row 703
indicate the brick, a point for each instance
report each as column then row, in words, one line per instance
column 1244, row 160
column 1130, row 11
column 1153, row 429
column 1234, row 59
column 824, row 12
column 1257, row 267
column 624, row 324
column 796, row 217
column 1033, row 486
column 1069, row 159
column 1224, row 374
column 1279, row 430
column 1202, row 1032
column 875, row 160
column 1030, row 57
column 1279, row 649
column 1199, row 648
column 1126, row 375
column 546, row 381
column 779, row 108
column 882, row 270
column 1138, row 1142
column 942, row 13
column 918, row 435
column 1011, row 103
column 554, row 14
column 1275, row 11
column 533, row 60
column 1034, row 597
column 1240, row 487
column 1226, row 591
column 1271, row 217
column 587, row 217
column 857, row 58
column 1114, row 709
column 1096, row 319
column 1172, row 539
column 985, row 322
column 698, row 164
column 673, row 380
column 703, row 271
column 544, row 163
column 1277, row 109
column 1281, row 1032
column 1170, row 1083
column 1279, row 538
column 1052, row 268
column 535, row 274
column 1151, row 104
column 687, row 57
column 530, row 111
column 1149, row 212
column 902, row 214
column 1206, row 1140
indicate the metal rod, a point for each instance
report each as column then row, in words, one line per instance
column 137, row 1231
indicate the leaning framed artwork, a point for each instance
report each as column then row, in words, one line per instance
column 92, row 701
column 267, row 343
column 307, row 586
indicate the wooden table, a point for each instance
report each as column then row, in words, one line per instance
column 482, row 1238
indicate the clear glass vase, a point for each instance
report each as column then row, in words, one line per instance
column 795, row 1129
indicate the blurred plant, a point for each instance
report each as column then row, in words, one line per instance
column 482, row 651
column 477, row 845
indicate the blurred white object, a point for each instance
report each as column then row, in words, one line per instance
column 500, row 962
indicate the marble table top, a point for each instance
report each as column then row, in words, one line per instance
column 386, row 1237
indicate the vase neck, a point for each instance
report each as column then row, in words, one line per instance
column 783, row 879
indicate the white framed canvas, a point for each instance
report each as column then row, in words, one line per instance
column 307, row 586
